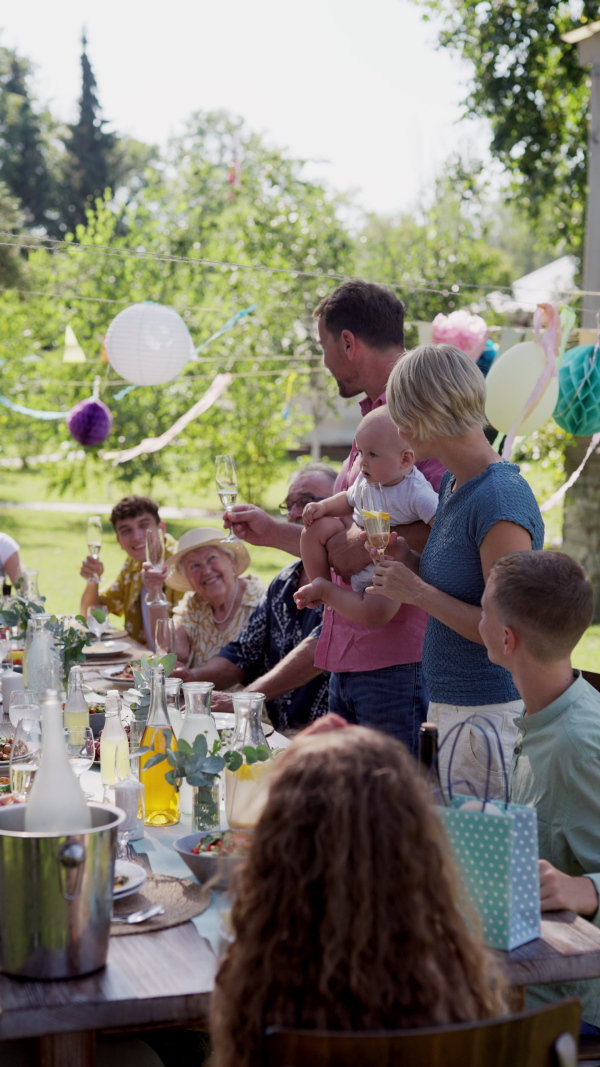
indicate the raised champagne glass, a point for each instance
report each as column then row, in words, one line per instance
column 227, row 486
column 155, row 554
column 375, row 516
column 94, row 540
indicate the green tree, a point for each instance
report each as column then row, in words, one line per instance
column 271, row 217
column 529, row 85
column 24, row 132
column 90, row 150
column 439, row 255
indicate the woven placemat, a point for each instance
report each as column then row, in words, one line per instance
column 182, row 899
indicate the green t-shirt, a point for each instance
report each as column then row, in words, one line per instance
column 556, row 770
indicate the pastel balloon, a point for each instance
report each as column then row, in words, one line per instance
column 511, row 381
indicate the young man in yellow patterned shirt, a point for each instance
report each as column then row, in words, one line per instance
column 131, row 518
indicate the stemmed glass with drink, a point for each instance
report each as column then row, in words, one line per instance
column 80, row 749
column 96, row 620
column 375, row 517
column 227, row 486
column 94, row 540
column 164, row 637
column 25, row 756
column 155, row 555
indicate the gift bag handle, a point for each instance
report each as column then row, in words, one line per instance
column 474, row 720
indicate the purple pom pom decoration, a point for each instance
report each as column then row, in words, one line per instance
column 89, row 422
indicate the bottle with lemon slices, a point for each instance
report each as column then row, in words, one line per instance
column 246, row 789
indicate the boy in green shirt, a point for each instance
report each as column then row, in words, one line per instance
column 536, row 606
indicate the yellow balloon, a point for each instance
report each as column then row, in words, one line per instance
column 510, row 383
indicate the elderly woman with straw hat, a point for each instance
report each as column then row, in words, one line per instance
column 218, row 602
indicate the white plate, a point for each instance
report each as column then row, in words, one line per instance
column 112, row 673
column 106, row 648
column 135, row 874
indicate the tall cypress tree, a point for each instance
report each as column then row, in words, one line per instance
column 23, row 148
column 89, row 149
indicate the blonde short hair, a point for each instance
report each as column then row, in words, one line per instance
column 436, row 391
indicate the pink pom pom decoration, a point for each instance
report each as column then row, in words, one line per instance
column 466, row 332
column 89, row 422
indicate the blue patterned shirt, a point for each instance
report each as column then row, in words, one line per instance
column 275, row 627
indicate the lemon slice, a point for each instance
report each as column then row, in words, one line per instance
column 375, row 515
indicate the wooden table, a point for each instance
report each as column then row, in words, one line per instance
column 164, row 978
column 567, row 951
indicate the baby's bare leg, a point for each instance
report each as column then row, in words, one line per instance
column 312, row 545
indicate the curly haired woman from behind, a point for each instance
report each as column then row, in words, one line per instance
column 346, row 913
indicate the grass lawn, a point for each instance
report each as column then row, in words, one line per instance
column 54, row 543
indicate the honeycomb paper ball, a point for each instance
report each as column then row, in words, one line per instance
column 89, row 422
column 578, row 407
column 148, row 344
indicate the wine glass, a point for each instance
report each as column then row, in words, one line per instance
column 164, row 637
column 80, row 749
column 155, row 555
column 96, row 625
column 94, row 540
column 227, row 486
column 25, row 757
column 375, row 516
column 23, row 705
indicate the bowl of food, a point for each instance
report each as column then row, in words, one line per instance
column 212, row 856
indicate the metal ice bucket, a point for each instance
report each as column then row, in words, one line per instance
column 56, row 895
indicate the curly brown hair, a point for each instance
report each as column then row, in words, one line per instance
column 346, row 913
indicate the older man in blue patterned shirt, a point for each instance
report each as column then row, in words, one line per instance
column 274, row 655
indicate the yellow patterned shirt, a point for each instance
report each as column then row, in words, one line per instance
column 122, row 597
column 194, row 613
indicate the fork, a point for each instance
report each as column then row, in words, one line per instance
column 139, row 916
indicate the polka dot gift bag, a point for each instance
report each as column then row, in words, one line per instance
column 495, row 844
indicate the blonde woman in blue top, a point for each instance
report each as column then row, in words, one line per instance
column 436, row 398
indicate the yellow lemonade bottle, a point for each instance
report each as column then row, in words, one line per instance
column 162, row 799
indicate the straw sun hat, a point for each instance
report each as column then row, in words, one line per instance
column 202, row 538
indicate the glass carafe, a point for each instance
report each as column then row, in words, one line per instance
column 246, row 789
column 198, row 720
column 41, row 662
column 162, row 799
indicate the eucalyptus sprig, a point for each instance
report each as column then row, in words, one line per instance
column 197, row 765
column 19, row 611
column 141, row 668
column 70, row 640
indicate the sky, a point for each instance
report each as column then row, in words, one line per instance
column 356, row 86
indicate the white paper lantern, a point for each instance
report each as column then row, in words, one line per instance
column 148, row 344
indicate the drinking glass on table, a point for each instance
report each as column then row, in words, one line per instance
column 5, row 649
column 155, row 555
column 375, row 516
column 96, row 619
column 227, row 486
column 80, row 748
column 94, row 540
column 23, row 705
column 164, row 636
column 25, row 757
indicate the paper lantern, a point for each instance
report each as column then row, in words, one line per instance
column 89, row 422
column 466, row 332
column 511, row 381
column 148, row 344
column 578, row 407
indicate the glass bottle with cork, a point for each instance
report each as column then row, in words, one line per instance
column 162, row 799
column 114, row 744
column 77, row 712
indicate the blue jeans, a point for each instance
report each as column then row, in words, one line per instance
column 392, row 699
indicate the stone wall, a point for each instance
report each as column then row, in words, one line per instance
column 581, row 524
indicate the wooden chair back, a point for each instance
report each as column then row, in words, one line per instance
column 545, row 1038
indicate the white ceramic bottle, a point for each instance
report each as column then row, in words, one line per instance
column 56, row 802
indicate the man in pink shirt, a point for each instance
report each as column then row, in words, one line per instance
column 376, row 678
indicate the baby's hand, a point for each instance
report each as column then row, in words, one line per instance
column 312, row 511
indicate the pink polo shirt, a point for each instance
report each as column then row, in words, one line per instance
column 346, row 646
